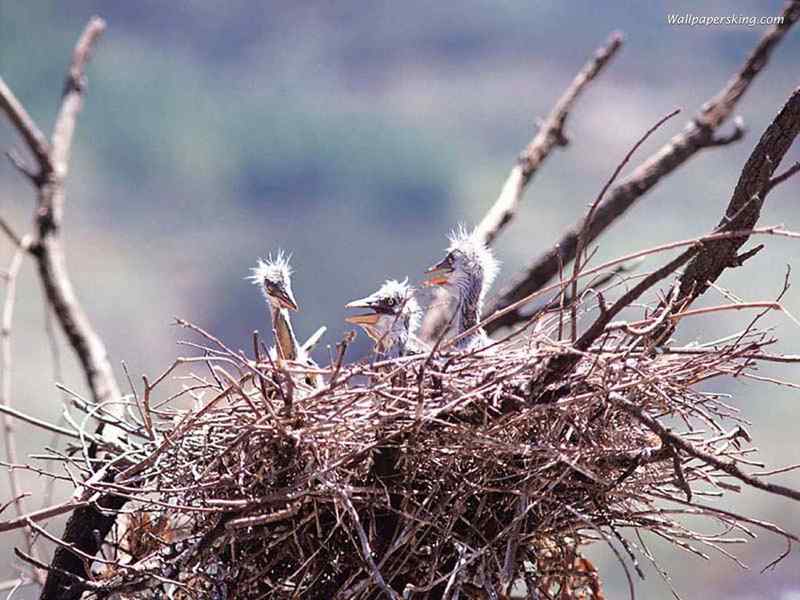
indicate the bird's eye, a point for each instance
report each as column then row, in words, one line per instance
column 390, row 302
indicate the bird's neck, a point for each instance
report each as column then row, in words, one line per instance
column 402, row 335
column 468, row 312
column 391, row 343
column 285, row 340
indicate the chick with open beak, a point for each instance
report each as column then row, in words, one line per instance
column 391, row 320
column 440, row 273
column 467, row 271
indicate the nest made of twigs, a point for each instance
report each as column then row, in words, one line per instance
column 420, row 476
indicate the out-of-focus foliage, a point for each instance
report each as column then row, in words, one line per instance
column 356, row 135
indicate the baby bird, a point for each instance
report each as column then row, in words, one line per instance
column 274, row 278
column 467, row 271
column 393, row 320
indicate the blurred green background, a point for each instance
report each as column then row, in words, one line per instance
column 355, row 135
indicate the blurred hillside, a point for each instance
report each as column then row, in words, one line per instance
column 355, row 135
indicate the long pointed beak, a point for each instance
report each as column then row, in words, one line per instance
column 286, row 300
column 368, row 319
column 438, row 274
column 360, row 303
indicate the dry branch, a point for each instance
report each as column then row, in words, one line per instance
column 708, row 260
column 86, row 523
column 24, row 124
column 5, row 385
column 744, row 208
column 551, row 135
column 700, row 133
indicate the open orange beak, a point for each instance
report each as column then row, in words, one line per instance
column 438, row 274
column 369, row 319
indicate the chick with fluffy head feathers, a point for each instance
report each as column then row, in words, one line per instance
column 393, row 319
column 467, row 271
column 273, row 276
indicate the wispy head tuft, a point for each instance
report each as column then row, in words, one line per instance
column 274, row 269
column 475, row 253
column 403, row 294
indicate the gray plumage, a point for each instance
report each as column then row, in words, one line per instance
column 467, row 271
column 392, row 321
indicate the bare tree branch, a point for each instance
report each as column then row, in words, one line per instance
column 700, row 133
column 5, row 387
column 744, row 208
column 88, row 525
column 680, row 443
column 48, row 249
column 550, row 135
column 787, row 174
column 27, row 128
column 708, row 259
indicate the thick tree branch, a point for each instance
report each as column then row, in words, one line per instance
column 64, row 128
column 744, row 208
column 699, row 133
column 48, row 249
column 551, row 134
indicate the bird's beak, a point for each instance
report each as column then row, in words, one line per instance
column 438, row 274
column 286, row 299
column 368, row 319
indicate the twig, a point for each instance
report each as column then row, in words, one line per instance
column 776, row 231
column 5, row 385
column 365, row 548
column 7, row 410
column 563, row 363
column 779, row 179
column 610, row 544
column 679, row 442
column 41, row 514
column 581, row 242
column 15, row 238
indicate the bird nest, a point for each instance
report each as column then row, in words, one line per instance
column 422, row 477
